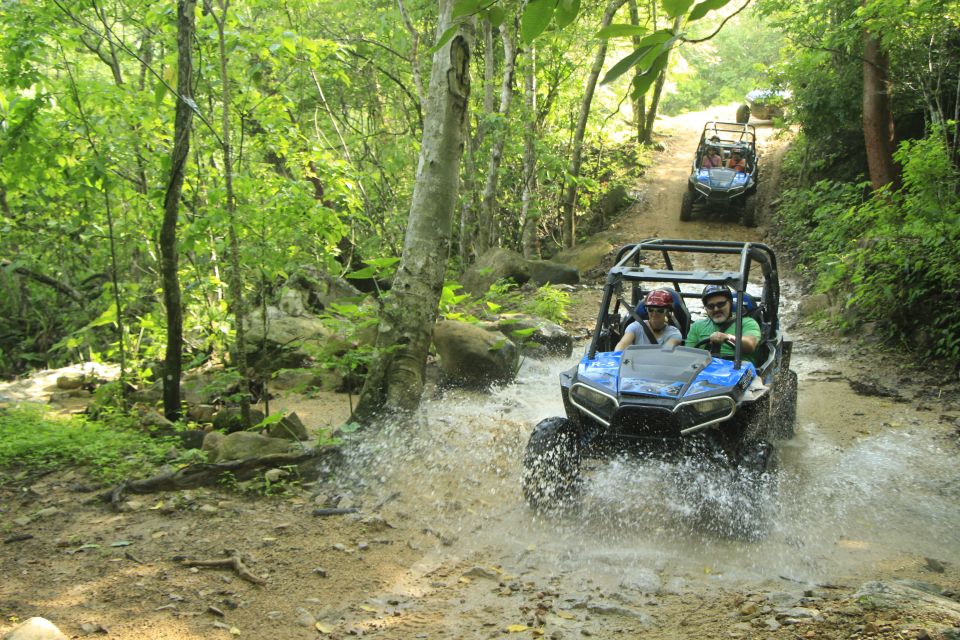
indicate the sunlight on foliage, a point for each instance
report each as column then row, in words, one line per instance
column 30, row 439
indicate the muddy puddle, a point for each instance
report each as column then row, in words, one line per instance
column 863, row 488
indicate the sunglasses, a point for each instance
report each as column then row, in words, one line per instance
column 657, row 310
column 713, row 306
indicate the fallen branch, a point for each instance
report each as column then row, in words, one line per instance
column 62, row 287
column 232, row 561
column 207, row 473
column 333, row 511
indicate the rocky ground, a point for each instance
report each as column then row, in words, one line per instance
column 425, row 535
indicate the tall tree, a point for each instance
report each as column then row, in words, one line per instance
column 169, row 254
column 395, row 382
column 576, row 152
column 878, row 131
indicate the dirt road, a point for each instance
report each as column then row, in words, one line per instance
column 442, row 545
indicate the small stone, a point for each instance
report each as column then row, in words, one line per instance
column 749, row 609
column 23, row 521
column 320, row 571
column 132, row 505
column 208, row 509
column 363, row 546
column 340, row 546
column 46, row 513
column 305, row 618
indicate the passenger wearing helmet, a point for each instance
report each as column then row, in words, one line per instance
column 719, row 326
column 736, row 161
column 656, row 328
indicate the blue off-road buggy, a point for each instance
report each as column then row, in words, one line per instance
column 670, row 399
column 719, row 188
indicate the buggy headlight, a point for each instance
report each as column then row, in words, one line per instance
column 593, row 402
column 699, row 414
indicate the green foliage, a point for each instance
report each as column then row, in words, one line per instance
column 549, row 303
column 30, row 439
column 894, row 254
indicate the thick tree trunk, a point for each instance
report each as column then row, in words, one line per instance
column 488, row 203
column 576, row 155
column 878, row 132
column 395, row 381
column 528, row 214
column 169, row 255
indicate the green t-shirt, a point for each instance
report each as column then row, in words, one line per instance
column 702, row 329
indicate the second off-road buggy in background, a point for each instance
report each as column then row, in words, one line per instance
column 722, row 189
column 670, row 399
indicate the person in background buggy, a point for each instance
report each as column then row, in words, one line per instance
column 736, row 162
column 656, row 329
column 712, row 158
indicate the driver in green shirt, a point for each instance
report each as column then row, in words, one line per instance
column 719, row 326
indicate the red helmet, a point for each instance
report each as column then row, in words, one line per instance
column 659, row 298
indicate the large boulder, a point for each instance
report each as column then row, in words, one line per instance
column 242, row 445
column 585, row 256
column 310, row 291
column 289, row 341
column 549, row 272
column 538, row 338
column 473, row 357
column 495, row 264
column 35, row 629
column 616, row 199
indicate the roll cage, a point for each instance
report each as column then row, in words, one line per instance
column 731, row 136
column 631, row 272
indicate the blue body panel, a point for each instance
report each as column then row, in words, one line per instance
column 722, row 179
column 604, row 373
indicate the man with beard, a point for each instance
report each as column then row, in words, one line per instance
column 719, row 326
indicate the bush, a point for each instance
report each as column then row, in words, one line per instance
column 895, row 254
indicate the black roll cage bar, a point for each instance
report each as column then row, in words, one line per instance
column 628, row 267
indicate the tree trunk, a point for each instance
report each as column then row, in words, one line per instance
column 529, row 216
column 236, row 277
column 395, row 381
column 878, row 132
column 576, row 156
column 640, row 102
column 488, row 203
column 169, row 256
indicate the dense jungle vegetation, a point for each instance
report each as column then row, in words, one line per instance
column 166, row 168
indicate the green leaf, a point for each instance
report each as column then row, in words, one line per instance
column 360, row 274
column 642, row 82
column 382, row 262
column 109, row 316
column 273, row 418
column 705, row 7
column 159, row 91
column 621, row 31
column 566, row 12
column 445, row 37
column 535, row 19
column 466, row 7
column 621, row 67
column 496, row 15
column 676, row 8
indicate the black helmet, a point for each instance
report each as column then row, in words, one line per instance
column 716, row 290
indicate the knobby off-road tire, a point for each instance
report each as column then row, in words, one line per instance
column 743, row 114
column 551, row 465
column 785, row 405
column 686, row 206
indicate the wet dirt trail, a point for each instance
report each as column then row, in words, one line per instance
column 442, row 544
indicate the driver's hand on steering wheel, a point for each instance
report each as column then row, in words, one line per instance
column 719, row 337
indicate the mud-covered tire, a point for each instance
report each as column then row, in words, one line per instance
column 749, row 217
column 743, row 114
column 785, row 406
column 551, row 465
column 686, row 206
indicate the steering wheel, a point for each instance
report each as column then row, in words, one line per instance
column 714, row 348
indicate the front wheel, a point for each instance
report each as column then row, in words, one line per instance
column 686, row 207
column 551, row 465
column 785, row 409
column 743, row 114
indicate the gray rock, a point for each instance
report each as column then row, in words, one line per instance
column 482, row 572
column 289, row 427
column 472, row 357
column 800, row 613
column 548, row 339
column 35, row 629
column 68, row 382
column 305, row 618
column 242, row 445
column 812, row 305
column 549, row 272
column 903, row 594
column 495, row 264
column 229, row 419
